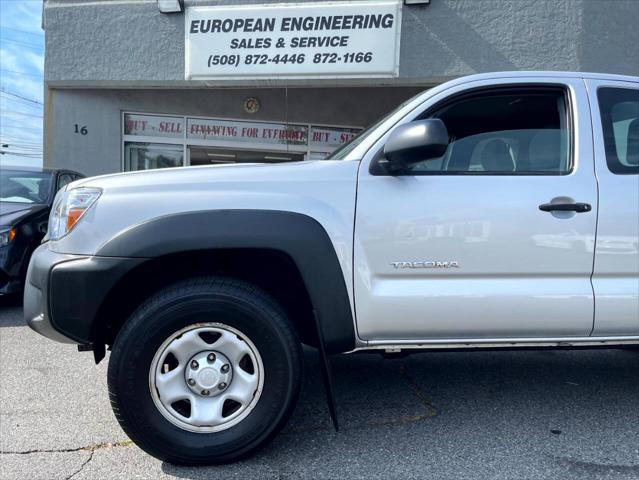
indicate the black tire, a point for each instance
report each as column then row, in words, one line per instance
column 231, row 302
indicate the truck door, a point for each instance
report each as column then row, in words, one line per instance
column 615, row 113
column 495, row 238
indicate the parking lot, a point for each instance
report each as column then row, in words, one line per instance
column 511, row 415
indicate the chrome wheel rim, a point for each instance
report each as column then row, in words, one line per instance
column 206, row 377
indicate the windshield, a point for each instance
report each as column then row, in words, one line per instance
column 344, row 150
column 24, row 187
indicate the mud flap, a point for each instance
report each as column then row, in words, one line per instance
column 325, row 367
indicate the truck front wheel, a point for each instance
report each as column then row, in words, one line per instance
column 205, row 371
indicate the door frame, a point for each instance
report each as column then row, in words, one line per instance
column 616, row 314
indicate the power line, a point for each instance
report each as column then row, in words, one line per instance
column 20, row 96
column 13, row 140
column 39, row 34
column 21, row 73
column 18, row 154
column 22, row 44
column 25, row 140
column 28, row 138
column 25, row 121
column 22, row 138
column 22, row 154
column 17, row 147
column 13, row 112
column 21, row 128
column 20, row 146
column 21, row 99
column 22, row 103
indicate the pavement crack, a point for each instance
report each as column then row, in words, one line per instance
column 595, row 468
column 88, row 448
column 431, row 411
column 84, row 464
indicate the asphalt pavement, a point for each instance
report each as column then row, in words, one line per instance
column 473, row 415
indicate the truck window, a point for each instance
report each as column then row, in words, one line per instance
column 620, row 122
column 509, row 132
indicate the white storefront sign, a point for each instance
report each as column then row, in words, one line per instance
column 307, row 40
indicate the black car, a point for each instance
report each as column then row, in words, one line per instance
column 26, row 196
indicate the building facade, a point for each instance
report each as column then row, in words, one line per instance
column 130, row 86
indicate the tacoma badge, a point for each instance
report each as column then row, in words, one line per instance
column 451, row 264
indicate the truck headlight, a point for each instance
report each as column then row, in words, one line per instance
column 69, row 208
column 7, row 234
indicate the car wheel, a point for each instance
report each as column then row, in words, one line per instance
column 205, row 371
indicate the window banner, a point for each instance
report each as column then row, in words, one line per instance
column 332, row 137
column 255, row 132
column 153, row 126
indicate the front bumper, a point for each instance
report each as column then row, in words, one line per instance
column 63, row 293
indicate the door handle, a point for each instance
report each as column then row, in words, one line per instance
column 565, row 207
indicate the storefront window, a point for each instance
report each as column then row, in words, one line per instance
column 144, row 156
column 161, row 141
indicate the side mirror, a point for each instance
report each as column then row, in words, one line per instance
column 414, row 142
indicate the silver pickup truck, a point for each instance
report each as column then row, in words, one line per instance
column 496, row 210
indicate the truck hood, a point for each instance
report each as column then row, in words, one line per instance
column 324, row 190
column 245, row 173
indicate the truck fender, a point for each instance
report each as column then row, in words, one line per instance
column 299, row 236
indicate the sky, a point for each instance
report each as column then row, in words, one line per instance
column 21, row 82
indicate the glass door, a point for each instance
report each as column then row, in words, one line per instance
column 143, row 156
column 217, row 155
